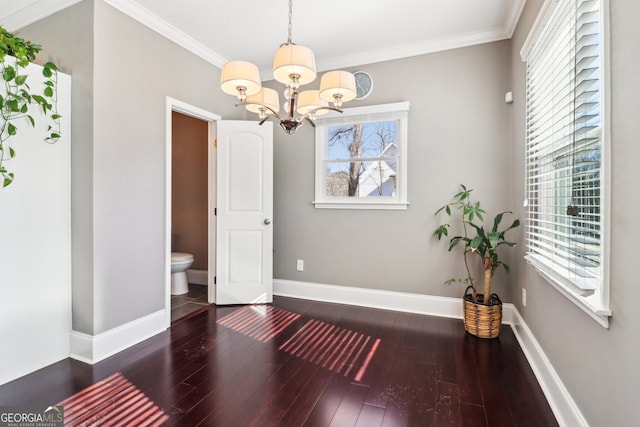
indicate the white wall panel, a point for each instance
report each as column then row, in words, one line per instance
column 35, row 243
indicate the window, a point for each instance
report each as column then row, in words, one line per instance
column 566, row 152
column 361, row 158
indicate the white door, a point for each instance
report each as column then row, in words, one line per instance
column 244, row 242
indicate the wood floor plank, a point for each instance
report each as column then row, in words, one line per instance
column 466, row 370
column 301, row 408
column 472, row 415
column 448, row 405
column 370, row 416
column 424, row 371
column 349, row 409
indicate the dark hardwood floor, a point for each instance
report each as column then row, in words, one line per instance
column 302, row 363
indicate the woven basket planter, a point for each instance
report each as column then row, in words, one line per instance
column 482, row 320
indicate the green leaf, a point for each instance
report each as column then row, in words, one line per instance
column 51, row 66
column 515, row 224
column 39, row 99
column 454, row 241
column 11, row 129
column 55, row 116
column 12, row 104
column 48, row 91
column 476, row 242
column 9, row 73
column 46, row 71
column 25, row 95
column 441, row 231
column 478, row 211
column 33, row 122
column 493, row 239
column 497, row 220
column 478, row 228
column 20, row 80
column 12, row 152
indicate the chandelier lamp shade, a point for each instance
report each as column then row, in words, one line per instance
column 293, row 66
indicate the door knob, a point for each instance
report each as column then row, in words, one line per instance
column 267, row 221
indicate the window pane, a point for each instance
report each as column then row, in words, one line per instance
column 362, row 140
column 361, row 178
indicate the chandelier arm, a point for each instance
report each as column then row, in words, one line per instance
column 326, row 108
column 267, row 117
column 307, row 118
column 271, row 110
column 308, row 114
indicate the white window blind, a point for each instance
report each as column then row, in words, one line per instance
column 564, row 152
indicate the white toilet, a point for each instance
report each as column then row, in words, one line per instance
column 180, row 261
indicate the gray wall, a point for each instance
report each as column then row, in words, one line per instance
column 122, row 71
column 458, row 133
column 599, row 367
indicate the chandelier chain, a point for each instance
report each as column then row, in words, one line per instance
column 290, row 19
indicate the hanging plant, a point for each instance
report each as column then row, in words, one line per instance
column 16, row 97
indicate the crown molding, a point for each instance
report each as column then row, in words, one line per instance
column 35, row 12
column 415, row 49
column 162, row 27
column 514, row 16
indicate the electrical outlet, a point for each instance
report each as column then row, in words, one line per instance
column 300, row 265
column 524, row 297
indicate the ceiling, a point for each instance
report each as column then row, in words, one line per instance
column 342, row 33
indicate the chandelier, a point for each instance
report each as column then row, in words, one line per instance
column 293, row 66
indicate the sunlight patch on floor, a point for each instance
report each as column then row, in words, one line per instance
column 337, row 349
column 113, row 401
column 261, row 322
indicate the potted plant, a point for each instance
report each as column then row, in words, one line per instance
column 482, row 311
column 16, row 97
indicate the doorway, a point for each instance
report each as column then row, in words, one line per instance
column 240, row 208
column 189, row 209
column 190, row 223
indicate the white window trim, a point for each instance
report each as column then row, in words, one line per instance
column 397, row 202
column 603, row 313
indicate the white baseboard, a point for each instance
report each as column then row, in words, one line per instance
column 198, row 277
column 562, row 404
column 374, row 298
column 94, row 348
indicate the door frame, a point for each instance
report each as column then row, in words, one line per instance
column 172, row 105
